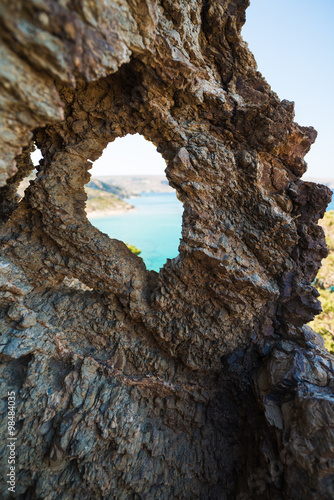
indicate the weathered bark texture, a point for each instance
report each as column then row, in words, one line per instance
column 197, row 382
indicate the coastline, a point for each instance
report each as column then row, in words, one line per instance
column 96, row 214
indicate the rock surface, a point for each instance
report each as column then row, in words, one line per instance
column 197, row 382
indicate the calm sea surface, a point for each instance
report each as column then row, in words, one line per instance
column 331, row 205
column 154, row 227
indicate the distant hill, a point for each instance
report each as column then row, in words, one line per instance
column 101, row 203
column 105, row 198
column 105, row 193
column 135, row 185
column 95, row 183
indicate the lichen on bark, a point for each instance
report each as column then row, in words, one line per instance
column 200, row 381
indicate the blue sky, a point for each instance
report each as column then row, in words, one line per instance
column 293, row 44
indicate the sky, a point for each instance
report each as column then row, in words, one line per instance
column 129, row 155
column 293, row 44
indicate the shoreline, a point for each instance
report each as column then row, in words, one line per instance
column 99, row 214
column 96, row 214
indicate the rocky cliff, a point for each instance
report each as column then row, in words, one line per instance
column 200, row 381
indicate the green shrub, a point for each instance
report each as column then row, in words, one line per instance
column 133, row 249
column 324, row 322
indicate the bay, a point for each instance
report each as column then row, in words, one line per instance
column 154, row 226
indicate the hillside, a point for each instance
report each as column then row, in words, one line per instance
column 101, row 203
column 107, row 187
column 324, row 322
column 138, row 184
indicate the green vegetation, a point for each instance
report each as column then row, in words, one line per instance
column 103, row 201
column 324, row 322
column 105, row 186
column 133, row 249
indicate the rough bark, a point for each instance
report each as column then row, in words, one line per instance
column 200, row 381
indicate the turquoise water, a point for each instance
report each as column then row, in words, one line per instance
column 154, row 227
column 331, row 205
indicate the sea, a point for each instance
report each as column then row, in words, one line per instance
column 331, row 205
column 154, row 226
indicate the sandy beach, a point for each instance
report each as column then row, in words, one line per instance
column 95, row 214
